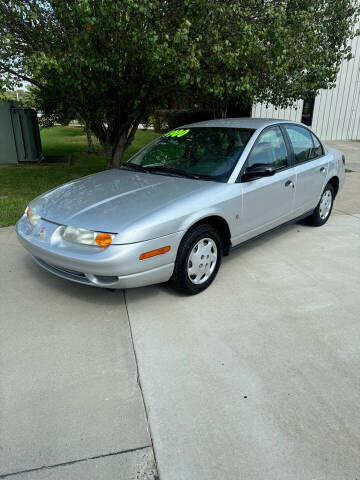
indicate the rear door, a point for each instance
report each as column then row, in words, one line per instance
column 311, row 166
column 267, row 201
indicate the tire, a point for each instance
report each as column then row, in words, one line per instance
column 323, row 210
column 198, row 260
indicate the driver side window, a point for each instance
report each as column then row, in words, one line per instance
column 269, row 150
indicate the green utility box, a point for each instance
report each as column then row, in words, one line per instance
column 19, row 134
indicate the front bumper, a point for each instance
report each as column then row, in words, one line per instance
column 116, row 266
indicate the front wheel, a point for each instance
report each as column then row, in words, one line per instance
column 323, row 210
column 198, row 260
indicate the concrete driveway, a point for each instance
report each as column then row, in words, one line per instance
column 258, row 377
column 352, row 153
column 70, row 403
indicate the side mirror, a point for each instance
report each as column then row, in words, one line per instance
column 257, row 171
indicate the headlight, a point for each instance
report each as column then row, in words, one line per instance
column 32, row 216
column 86, row 237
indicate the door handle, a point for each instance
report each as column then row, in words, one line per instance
column 322, row 169
column 289, row 183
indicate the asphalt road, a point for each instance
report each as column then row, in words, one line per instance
column 258, row 377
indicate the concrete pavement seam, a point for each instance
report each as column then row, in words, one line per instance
column 71, row 462
column 140, row 386
column 346, row 213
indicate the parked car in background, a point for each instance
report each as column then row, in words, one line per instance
column 181, row 203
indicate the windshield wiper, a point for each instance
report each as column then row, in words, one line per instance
column 177, row 172
column 134, row 166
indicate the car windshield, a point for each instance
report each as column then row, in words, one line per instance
column 209, row 153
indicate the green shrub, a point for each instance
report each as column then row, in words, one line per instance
column 164, row 120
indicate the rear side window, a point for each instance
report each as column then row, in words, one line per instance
column 270, row 149
column 306, row 146
column 318, row 149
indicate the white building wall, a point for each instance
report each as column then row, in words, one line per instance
column 260, row 110
column 337, row 111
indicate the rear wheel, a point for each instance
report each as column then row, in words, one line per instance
column 198, row 260
column 323, row 210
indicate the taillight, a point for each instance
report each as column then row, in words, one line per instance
column 343, row 159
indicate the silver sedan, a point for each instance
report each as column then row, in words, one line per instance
column 181, row 203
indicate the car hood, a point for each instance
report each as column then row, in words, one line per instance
column 113, row 200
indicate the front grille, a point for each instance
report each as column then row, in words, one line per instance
column 66, row 270
column 63, row 272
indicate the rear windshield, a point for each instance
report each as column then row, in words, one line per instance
column 208, row 151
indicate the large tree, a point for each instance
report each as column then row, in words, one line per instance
column 272, row 51
column 112, row 60
column 115, row 61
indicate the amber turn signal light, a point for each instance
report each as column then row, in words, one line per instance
column 153, row 253
column 103, row 239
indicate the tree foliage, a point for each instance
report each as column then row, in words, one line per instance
column 272, row 51
column 114, row 62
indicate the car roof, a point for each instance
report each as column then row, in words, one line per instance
column 244, row 122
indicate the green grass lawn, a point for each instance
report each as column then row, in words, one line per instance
column 21, row 183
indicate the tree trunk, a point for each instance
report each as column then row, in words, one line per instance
column 115, row 151
column 115, row 144
column 118, row 152
column 89, row 139
column 108, row 154
column 219, row 111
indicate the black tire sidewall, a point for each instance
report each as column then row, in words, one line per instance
column 180, row 278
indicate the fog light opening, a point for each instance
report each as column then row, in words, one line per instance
column 102, row 279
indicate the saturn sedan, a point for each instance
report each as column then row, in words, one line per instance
column 176, row 207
